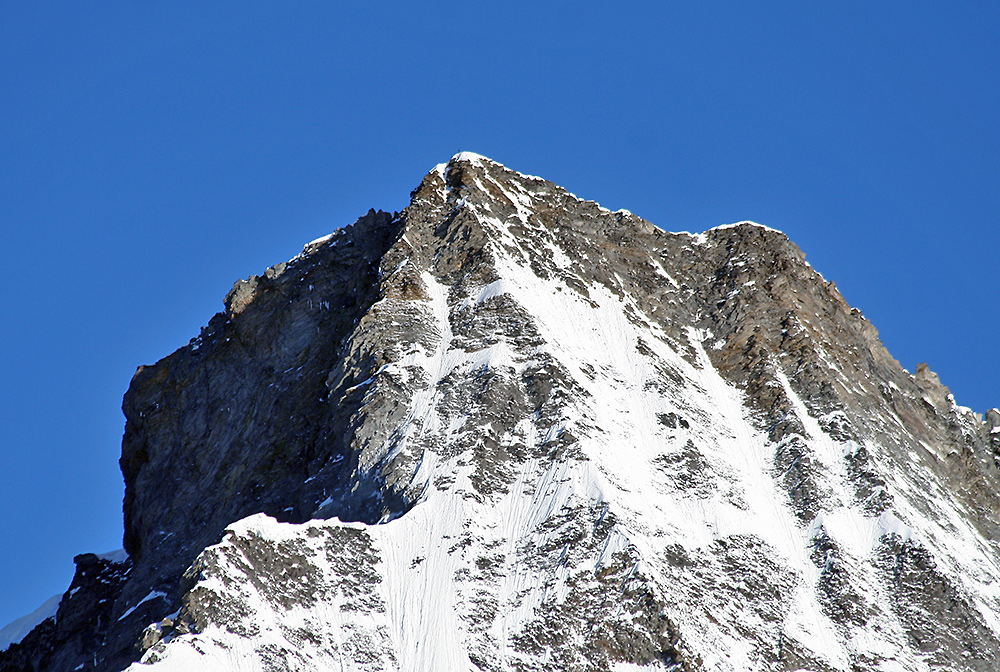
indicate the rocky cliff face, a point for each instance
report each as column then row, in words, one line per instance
column 508, row 429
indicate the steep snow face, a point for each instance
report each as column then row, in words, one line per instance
column 591, row 483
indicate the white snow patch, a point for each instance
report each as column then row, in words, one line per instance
column 698, row 238
column 743, row 223
column 662, row 271
column 472, row 157
column 318, row 241
column 154, row 594
column 117, row 556
column 18, row 629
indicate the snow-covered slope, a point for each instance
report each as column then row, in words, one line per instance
column 568, row 440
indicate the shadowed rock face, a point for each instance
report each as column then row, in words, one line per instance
column 236, row 422
column 601, row 443
column 82, row 625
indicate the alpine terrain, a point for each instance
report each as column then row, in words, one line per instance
column 508, row 429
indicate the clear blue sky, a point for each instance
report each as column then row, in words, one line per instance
column 154, row 152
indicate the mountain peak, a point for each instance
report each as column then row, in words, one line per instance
column 509, row 429
column 746, row 222
column 466, row 158
column 472, row 157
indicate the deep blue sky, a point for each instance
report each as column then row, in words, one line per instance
column 153, row 152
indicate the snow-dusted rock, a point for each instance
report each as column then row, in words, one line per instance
column 508, row 429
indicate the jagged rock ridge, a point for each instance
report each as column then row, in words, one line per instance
column 508, row 429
